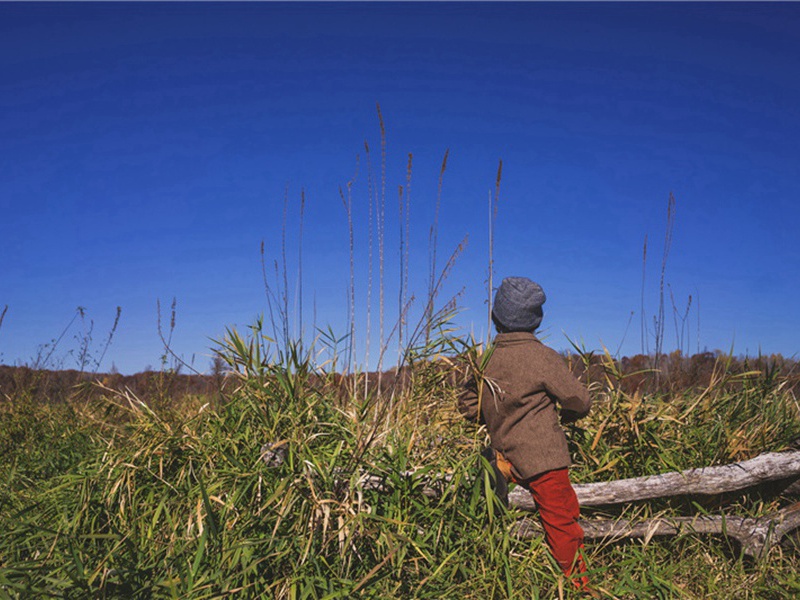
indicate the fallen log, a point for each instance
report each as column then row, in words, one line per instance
column 754, row 536
column 772, row 466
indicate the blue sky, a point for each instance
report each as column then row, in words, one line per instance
column 147, row 150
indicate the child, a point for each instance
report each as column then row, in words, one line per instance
column 522, row 382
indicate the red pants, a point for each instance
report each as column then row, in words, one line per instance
column 559, row 512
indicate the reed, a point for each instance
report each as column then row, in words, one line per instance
column 381, row 223
column 659, row 320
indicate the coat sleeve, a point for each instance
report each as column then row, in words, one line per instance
column 468, row 402
column 565, row 388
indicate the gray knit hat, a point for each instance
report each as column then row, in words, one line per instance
column 518, row 304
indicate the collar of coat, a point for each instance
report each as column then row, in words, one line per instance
column 513, row 337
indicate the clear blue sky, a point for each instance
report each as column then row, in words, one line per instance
column 146, row 150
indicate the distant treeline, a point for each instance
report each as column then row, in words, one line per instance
column 43, row 385
column 672, row 373
column 676, row 373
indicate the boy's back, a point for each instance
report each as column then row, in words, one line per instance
column 525, row 380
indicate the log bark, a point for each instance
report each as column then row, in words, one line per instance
column 772, row 466
column 755, row 536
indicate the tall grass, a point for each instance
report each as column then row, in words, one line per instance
column 151, row 503
column 736, row 416
column 182, row 505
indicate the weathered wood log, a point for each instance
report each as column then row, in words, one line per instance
column 755, row 536
column 772, row 466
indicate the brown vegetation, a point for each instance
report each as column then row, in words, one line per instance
column 678, row 374
column 686, row 374
column 45, row 386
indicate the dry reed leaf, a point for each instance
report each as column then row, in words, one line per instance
column 599, row 433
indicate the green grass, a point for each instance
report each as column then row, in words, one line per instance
column 735, row 417
column 110, row 499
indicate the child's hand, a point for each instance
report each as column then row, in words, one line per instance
column 569, row 416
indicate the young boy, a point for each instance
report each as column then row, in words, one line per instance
column 523, row 382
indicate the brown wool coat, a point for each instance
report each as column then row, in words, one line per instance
column 524, row 381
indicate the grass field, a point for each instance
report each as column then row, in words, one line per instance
column 110, row 495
